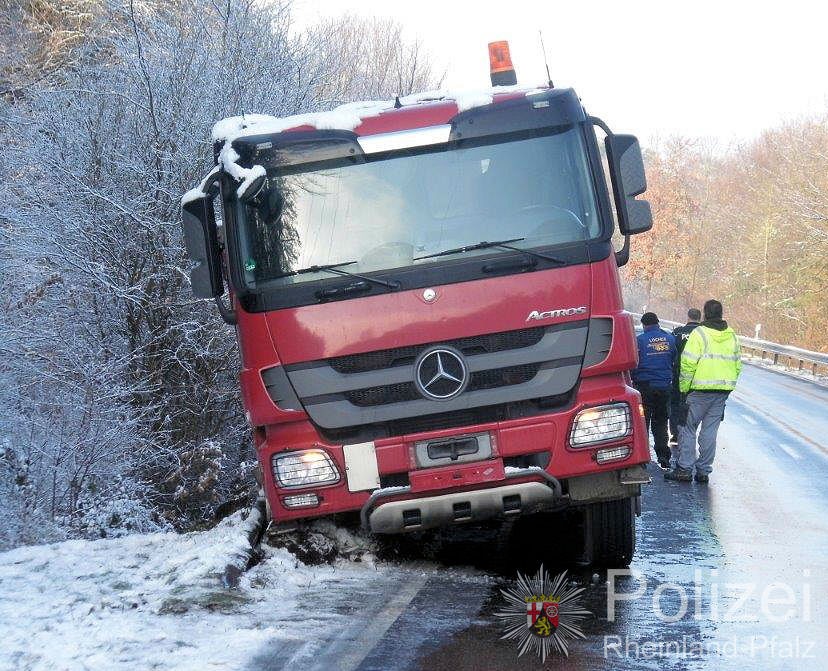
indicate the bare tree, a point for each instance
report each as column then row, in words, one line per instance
column 368, row 59
column 119, row 407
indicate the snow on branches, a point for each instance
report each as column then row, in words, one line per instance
column 119, row 406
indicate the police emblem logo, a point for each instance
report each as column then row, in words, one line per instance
column 542, row 613
column 542, row 617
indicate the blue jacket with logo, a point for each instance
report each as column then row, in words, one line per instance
column 656, row 357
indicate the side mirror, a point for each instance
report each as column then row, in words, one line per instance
column 253, row 190
column 199, row 225
column 628, row 181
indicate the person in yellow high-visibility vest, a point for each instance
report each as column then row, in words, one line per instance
column 710, row 366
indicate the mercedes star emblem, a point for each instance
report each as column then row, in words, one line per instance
column 440, row 373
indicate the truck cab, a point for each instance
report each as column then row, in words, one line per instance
column 428, row 308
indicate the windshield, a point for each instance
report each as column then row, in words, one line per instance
column 385, row 214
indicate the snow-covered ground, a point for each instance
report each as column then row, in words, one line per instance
column 158, row 602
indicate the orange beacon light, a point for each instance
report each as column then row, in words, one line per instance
column 500, row 64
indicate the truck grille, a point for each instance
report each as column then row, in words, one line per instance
column 400, row 356
column 406, row 391
column 378, row 388
column 447, row 420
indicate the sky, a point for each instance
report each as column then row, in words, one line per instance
column 724, row 70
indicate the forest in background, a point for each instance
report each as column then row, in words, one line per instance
column 119, row 404
column 748, row 226
column 119, row 401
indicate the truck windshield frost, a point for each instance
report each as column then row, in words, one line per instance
column 387, row 213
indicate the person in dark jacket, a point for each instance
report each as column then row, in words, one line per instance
column 654, row 379
column 677, row 408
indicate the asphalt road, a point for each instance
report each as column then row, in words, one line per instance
column 729, row 575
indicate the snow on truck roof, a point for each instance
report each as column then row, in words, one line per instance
column 351, row 115
column 345, row 117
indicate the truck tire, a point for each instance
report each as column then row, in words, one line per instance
column 553, row 539
column 610, row 527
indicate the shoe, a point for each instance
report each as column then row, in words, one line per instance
column 702, row 477
column 679, row 475
column 665, row 464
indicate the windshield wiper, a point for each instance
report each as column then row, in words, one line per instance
column 337, row 270
column 467, row 248
column 317, row 269
column 503, row 244
column 537, row 255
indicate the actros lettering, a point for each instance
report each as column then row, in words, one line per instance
column 549, row 314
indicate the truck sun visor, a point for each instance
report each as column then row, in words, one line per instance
column 546, row 108
column 280, row 151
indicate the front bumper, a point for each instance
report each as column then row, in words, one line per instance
column 469, row 506
column 543, row 493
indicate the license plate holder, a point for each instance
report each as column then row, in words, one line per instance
column 453, row 450
column 447, row 477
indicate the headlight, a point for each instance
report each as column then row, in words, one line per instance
column 304, row 468
column 596, row 425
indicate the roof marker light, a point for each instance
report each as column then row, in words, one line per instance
column 500, row 64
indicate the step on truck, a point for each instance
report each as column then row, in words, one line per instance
column 428, row 308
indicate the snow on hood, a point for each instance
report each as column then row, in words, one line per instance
column 344, row 117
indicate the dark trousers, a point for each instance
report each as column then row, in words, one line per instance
column 656, row 414
column 676, row 412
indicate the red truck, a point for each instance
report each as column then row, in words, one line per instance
column 427, row 303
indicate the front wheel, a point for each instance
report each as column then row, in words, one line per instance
column 610, row 532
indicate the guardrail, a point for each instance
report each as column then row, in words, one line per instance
column 791, row 357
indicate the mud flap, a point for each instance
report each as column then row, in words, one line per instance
column 607, row 486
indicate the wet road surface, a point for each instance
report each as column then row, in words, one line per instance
column 730, row 575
